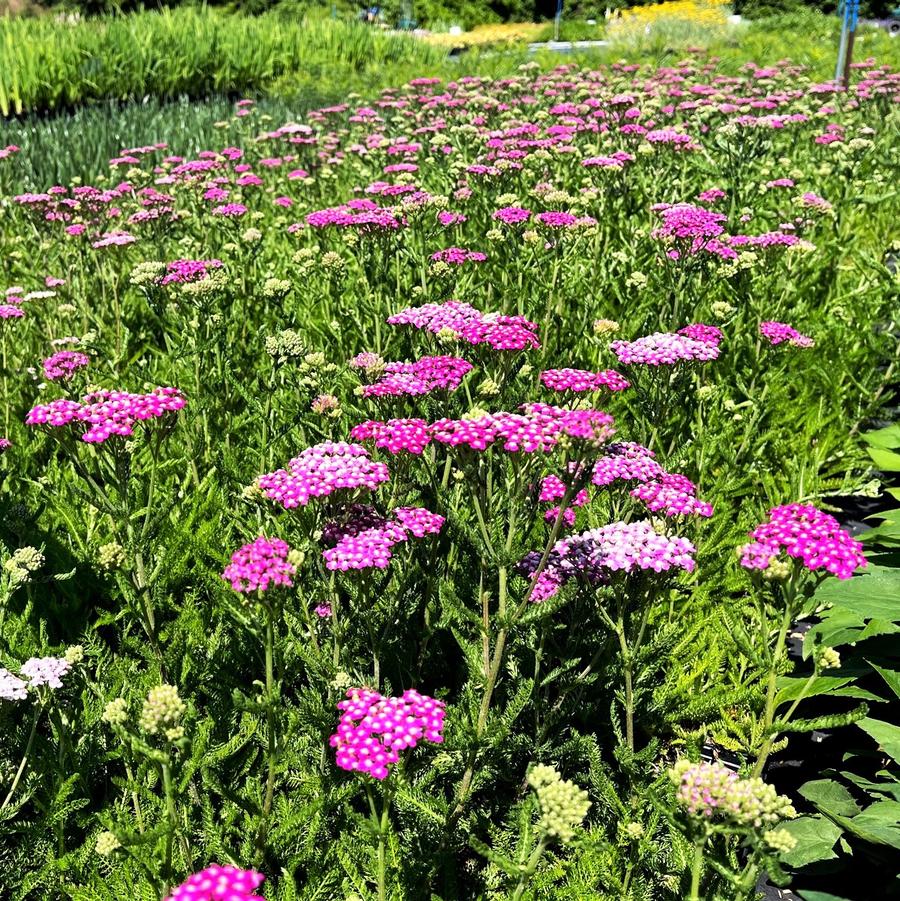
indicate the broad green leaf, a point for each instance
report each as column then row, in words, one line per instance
column 885, row 460
column 892, row 677
column 873, row 595
column 790, row 687
column 887, row 532
column 830, row 797
column 886, row 734
column 888, row 437
column 815, row 840
column 878, row 823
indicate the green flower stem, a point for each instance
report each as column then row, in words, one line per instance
column 380, row 823
column 173, row 825
column 529, row 869
column 496, row 661
column 270, row 728
column 24, row 762
column 771, row 686
column 697, row 869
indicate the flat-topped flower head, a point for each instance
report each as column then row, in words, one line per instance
column 664, row 349
column 422, row 376
column 62, row 365
column 598, row 555
column 12, row 688
column 470, row 326
column 373, row 730
column 364, row 539
column 456, row 256
column 672, row 495
column 700, row 332
column 580, row 380
column 323, row 470
column 45, row 671
column 539, row 427
column 260, row 565
column 219, row 883
column 778, row 332
column 805, row 533
column 104, row 414
column 182, row 271
column 710, row 791
column 625, row 461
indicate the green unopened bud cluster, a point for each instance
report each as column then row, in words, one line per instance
column 162, row 713
column 111, row 556
column 564, row 805
column 24, row 562
column 286, row 345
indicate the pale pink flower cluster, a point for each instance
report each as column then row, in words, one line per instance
column 260, row 565
column 373, row 729
column 419, row 377
column 538, row 428
column 470, row 325
column 64, row 364
column 807, row 534
column 219, row 883
column 664, row 348
column 778, row 332
column 366, row 539
column 45, row 671
column 598, row 554
column 108, row 413
column 579, row 380
column 12, row 688
column 322, row 470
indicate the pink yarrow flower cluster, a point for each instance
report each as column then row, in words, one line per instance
column 470, row 325
column 181, row 271
column 260, row 565
column 64, row 364
column 538, row 428
column 580, row 380
column 366, row 539
column 664, row 348
column 456, row 256
column 45, row 671
column 599, row 554
column 373, row 729
column 320, row 471
column 12, row 688
column 108, row 413
column 422, row 376
column 672, row 495
column 697, row 331
column 220, row 883
column 807, row 534
column 778, row 332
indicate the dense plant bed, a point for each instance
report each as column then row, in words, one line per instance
column 377, row 489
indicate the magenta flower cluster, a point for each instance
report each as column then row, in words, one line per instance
column 580, row 380
column 697, row 331
column 538, row 428
column 778, row 332
column 664, row 348
column 807, row 534
column 320, row 471
column 180, row 271
column 373, row 729
column 456, row 256
column 108, row 413
column 219, row 883
column 64, row 364
column 360, row 214
column 471, row 326
column 366, row 540
column 259, row 566
column 422, row 376
column 672, row 495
